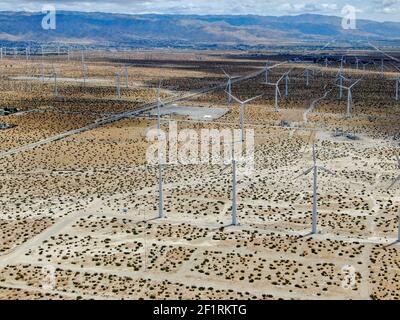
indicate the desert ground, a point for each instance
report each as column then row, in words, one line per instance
column 79, row 202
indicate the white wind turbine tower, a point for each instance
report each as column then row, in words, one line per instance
column 242, row 106
column 350, row 98
column 397, row 79
column 161, row 213
column 342, row 62
column 234, row 189
column 267, row 68
column 229, row 85
column 83, row 57
column 315, row 168
column 287, row 79
column 357, row 63
column 233, row 166
column 234, row 193
column 42, row 70
column 391, row 186
column 84, row 67
column 307, row 76
column 126, row 77
column 340, row 78
column 277, row 92
column 119, row 85
column 55, row 85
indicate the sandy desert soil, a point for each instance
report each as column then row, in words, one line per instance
column 78, row 213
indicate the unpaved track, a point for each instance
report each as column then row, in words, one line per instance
column 123, row 115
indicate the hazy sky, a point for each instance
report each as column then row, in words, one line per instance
column 382, row 10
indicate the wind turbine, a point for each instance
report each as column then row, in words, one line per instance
column 55, row 85
column 349, row 98
column 84, row 67
column 267, row 68
column 126, row 77
column 229, row 85
column 234, row 193
column 277, row 92
column 119, row 85
column 341, row 65
column 161, row 213
column 287, row 79
column 307, row 75
column 391, row 186
column 397, row 79
column 242, row 106
column 340, row 78
column 315, row 168
column 357, row 63
column 233, row 166
column 83, row 57
column 42, row 69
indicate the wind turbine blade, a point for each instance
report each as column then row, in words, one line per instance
column 249, row 100
column 354, row 83
column 304, row 173
column 234, row 98
column 327, row 171
column 277, row 65
column 227, row 167
column 279, row 91
column 280, row 79
column 225, row 73
column 394, row 182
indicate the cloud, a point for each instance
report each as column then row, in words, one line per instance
column 309, row 7
column 388, row 8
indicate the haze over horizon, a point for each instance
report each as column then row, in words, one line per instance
column 377, row 10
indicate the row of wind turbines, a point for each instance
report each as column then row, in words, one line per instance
column 309, row 73
column 85, row 77
column 315, row 169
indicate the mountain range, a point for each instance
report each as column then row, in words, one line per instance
column 187, row 30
